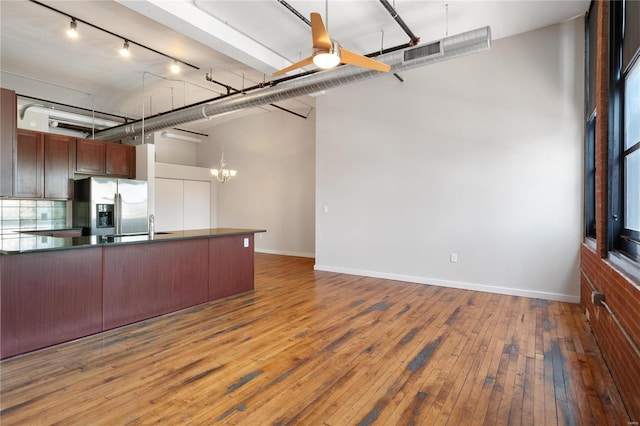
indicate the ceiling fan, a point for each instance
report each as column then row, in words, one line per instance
column 328, row 53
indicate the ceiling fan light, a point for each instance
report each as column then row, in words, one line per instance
column 72, row 31
column 326, row 60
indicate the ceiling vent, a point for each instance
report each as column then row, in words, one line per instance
column 431, row 49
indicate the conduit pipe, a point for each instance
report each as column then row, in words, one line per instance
column 448, row 48
column 414, row 40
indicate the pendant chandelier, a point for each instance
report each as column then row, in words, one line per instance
column 223, row 174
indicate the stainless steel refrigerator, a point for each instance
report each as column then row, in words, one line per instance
column 109, row 206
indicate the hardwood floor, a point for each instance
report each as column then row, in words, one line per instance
column 318, row 348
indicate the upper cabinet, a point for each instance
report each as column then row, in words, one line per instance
column 120, row 160
column 43, row 165
column 90, row 156
column 105, row 158
column 59, row 160
column 28, row 171
column 8, row 120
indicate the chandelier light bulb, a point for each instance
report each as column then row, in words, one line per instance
column 72, row 31
column 223, row 174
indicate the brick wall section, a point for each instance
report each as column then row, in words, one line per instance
column 623, row 297
column 621, row 294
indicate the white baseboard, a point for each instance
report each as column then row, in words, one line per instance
column 285, row 253
column 453, row 284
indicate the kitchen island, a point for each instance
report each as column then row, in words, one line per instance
column 55, row 289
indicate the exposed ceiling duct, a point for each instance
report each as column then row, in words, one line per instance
column 413, row 57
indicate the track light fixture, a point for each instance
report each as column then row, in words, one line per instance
column 125, row 49
column 175, row 67
column 72, row 31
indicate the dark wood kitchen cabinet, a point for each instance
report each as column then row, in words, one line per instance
column 43, row 166
column 120, row 160
column 230, row 265
column 59, row 159
column 145, row 280
column 85, row 287
column 90, row 156
column 28, row 166
column 48, row 298
column 105, row 158
column 8, row 123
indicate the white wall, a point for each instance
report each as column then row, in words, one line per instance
column 274, row 154
column 175, row 151
column 480, row 156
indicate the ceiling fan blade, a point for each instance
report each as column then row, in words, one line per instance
column 352, row 58
column 302, row 63
column 319, row 33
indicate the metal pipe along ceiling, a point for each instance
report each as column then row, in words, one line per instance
column 448, row 48
column 394, row 14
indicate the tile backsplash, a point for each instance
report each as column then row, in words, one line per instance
column 32, row 214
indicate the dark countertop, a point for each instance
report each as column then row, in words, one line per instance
column 20, row 242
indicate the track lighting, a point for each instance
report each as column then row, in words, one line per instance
column 72, row 31
column 125, row 49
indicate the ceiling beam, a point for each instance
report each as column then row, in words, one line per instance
column 185, row 17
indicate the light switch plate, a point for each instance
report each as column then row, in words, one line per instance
column 246, row 242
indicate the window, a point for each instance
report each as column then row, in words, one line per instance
column 590, row 179
column 590, row 127
column 624, row 122
column 631, row 162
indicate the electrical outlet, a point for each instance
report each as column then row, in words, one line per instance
column 453, row 257
column 246, row 242
column 597, row 298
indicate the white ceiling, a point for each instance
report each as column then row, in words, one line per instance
column 242, row 42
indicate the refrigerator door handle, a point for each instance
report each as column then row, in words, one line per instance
column 119, row 213
column 117, row 206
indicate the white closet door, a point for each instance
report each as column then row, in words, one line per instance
column 169, row 212
column 197, row 204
